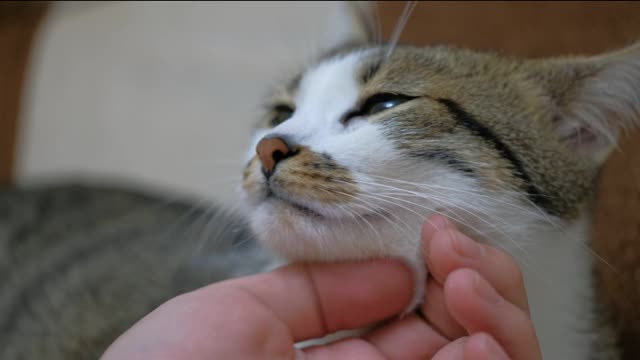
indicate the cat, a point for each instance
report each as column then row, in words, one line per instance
column 356, row 150
column 351, row 156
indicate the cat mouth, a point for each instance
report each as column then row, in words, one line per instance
column 311, row 213
column 304, row 210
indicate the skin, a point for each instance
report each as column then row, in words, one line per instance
column 476, row 309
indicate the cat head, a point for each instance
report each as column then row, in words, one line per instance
column 358, row 149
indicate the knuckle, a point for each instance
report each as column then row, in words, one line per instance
column 516, row 278
column 507, row 269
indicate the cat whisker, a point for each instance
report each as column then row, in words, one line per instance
column 400, row 25
column 424, row 218
column 458, row 219
column 407, row 230
column 374, row 209
column 354, row 215
column 351, row 214
column 476, row 195
column 448, row 204
column 373, row 228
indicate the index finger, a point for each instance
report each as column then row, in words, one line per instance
column 446, row 249
column 314, row 300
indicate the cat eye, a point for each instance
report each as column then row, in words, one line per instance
column 381, row 102
column 281, row 113
column 376, row 104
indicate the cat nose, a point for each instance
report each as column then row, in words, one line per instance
column 272, row 150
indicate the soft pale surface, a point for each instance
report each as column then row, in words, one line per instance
column 162, row 93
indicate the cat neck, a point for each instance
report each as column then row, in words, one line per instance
column 558, row 278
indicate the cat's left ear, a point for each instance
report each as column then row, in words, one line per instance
column 351, row 23
column 593, row 99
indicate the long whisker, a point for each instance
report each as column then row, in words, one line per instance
column 434, row 198
column 360, row 216
column 351, row 213
column 378, row 26
column 400, row 25
column 458, row 219
column 420, row 216
column 524, row 260
column 539, row 213
column 485, row 235
column 421, row 195
column 376, row 210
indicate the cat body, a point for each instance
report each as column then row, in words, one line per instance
column 81, row 262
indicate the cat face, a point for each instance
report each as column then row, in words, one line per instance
column 360, row 148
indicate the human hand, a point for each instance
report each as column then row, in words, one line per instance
column 475, row 306
column 262, row 316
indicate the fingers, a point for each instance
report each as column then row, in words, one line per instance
column 477, row 347
column 319, row 299
column 453, row 351
column 483, row 347
column 478, row 307
column 408, row 338
column 347, row 349
column 497, row 306
column 447, row 249
column 261, row 316
column 436, row 313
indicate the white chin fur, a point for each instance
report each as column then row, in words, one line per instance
column 299, row 237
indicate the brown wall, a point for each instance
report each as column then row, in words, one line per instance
column 18, row 22
column 536, row 29
column 527, row 28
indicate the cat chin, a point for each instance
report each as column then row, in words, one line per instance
column 300, row 237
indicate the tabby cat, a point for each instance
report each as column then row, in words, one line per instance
column 351, row 156
column 358, row 148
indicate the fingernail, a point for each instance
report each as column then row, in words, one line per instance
column 485, row 291
column 466, row 247
column 485, row 345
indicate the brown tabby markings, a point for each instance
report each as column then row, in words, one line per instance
column 307, row 176
column 507, row 96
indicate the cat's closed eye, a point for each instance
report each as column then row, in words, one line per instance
column 281, row 113
column 377, row 103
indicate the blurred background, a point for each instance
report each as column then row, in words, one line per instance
column 164, row 94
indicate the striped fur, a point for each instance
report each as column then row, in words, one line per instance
column 80, row 264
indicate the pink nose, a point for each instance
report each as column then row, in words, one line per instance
column 271, row 151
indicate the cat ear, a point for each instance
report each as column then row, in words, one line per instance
column 351, row 23
column 594, row 99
